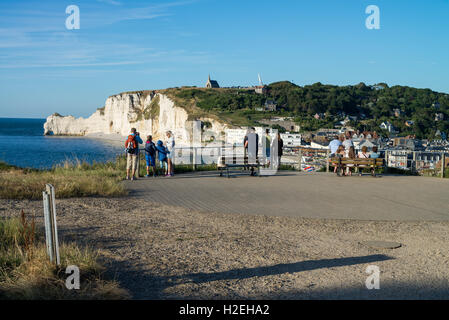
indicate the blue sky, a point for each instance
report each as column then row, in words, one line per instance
column 132, row 45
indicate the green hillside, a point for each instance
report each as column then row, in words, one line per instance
column 371, row 104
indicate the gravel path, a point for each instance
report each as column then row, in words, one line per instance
column 297, row 194
column 163, row 252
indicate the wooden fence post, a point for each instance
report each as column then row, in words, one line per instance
column 300, row 159
column 414, row 167
column 138, row 165
column 51, row 227
column 443, row 160
column 194, row 151
column 48, row 238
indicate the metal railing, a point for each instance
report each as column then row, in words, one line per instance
column 428, row 163
column 196, row 156
column 304, row 158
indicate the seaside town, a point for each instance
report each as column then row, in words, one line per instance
column 404, row 152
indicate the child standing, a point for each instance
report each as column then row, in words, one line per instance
column 162, row 154
column 150, row 155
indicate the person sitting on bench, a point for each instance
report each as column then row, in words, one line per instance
column 363, row 154
column 374, row 154
column 340, row 153
column 350, row 155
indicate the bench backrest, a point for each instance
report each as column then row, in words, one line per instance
column 358, row 161
column 235, row 159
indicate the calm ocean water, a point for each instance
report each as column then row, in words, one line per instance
column 22, row 143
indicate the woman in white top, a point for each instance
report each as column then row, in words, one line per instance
column 351, row 155
column 171, row 155
column 363, row 154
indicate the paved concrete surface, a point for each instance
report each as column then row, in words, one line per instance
column 311, row 195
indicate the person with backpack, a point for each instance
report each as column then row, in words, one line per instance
column 162, row 155
column 150, row 155
column 132, row 152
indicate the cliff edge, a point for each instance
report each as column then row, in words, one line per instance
column 149, row 112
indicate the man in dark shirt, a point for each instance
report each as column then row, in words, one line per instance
column 251, row 145
column 280, row 148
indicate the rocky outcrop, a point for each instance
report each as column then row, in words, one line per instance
column 148, row 112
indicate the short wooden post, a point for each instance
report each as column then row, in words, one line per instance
column 138, row 165
column 48, row 238
column 414, row 167
column 51, row 227
column 299, row 159
column 442, row 164
column 194, row 158
column 327, row 160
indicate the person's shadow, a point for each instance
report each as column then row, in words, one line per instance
column 278, row 269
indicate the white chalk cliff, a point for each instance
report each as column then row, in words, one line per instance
column 148, row 112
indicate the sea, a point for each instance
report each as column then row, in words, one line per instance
column 22, row 143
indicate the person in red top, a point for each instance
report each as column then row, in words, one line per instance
column 132, row 152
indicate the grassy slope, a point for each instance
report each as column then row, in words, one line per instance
column 194, row 104
column 70, row 180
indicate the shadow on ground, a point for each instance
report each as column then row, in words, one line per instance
column 145, row 286
column 240, row 274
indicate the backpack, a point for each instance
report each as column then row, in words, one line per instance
column 130, row 144
column 150, row 148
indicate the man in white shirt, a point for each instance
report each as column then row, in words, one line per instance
column 334, row 144
column 348, row 141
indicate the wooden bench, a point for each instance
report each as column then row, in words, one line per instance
column 236, row 161
column 342, row 163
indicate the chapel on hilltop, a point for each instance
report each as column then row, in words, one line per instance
column 212, row 83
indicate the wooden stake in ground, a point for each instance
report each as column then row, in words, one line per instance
column 51, row 228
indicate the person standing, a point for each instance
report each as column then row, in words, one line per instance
column 162, row 155
column 348, row 141
column 267, row 147
column 171, row 153
column 245, row 148
column 280, row 143
column 251, row 144
column 150, row 155
column 132, row 153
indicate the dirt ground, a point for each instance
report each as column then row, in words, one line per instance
column 162, row 252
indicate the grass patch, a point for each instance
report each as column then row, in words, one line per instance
column 71, row 179
column 152, row 111
column 391, row 170
column 287, row 167
column 26, row 272
column 101, row 110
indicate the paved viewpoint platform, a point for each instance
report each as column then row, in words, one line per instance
column 311, row 195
